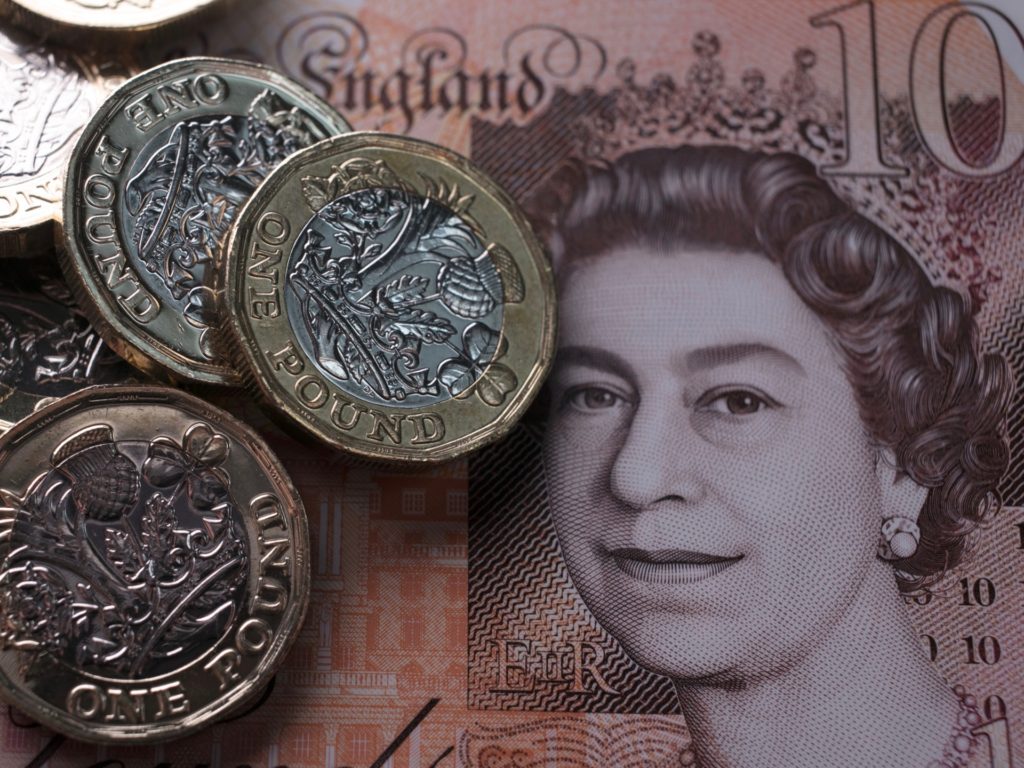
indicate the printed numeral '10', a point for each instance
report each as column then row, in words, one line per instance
column 929, row 105
column 978, row 592
column 984, row 650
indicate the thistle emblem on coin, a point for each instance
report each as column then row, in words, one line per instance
column 124, row 559
column 393, row 292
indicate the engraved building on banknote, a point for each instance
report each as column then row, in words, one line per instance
column 386, row 544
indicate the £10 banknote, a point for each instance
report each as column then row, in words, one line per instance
column 768, row 510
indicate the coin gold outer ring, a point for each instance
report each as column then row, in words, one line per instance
column 505, row 223
column 104, row 399
column 66, row 16
column 144, row 350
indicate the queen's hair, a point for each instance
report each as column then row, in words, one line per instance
column 924, row 390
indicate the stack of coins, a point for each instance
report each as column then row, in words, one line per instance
column 220, row 227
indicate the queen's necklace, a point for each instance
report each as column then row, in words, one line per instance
column 962, row 741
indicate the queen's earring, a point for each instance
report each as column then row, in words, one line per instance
column 899, row 538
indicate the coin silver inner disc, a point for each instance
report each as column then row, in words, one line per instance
column 127, row 561
column 184, row 188
column 395, row 298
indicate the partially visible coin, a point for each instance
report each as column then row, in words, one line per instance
column 47, row 95
column 390, row 298
column 153, row 564
column 48, row 350
column 154, row 183
column 102, row 15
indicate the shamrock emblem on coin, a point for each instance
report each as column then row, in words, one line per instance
column 481, row 346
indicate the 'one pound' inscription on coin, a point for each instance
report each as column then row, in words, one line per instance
column 155, row 184
column 379, row 426
column 270, row 599
column 169, row 99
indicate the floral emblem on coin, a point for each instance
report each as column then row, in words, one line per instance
column 180, row 204
column 48, row 349
column 41, row 108
column 125, row 558
column 393, row 293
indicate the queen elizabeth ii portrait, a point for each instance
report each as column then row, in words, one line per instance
column 767, row 427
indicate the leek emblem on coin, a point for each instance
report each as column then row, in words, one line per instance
column 152, row 564
column 153, row 186
column 391, row 297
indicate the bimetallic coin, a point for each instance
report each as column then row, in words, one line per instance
column 154, row 183
column 46, row 96
column 153, row 564
column 49, row 350
column 390, row 298
column 102, row 15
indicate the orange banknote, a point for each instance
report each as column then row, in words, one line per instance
column 770, row 508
